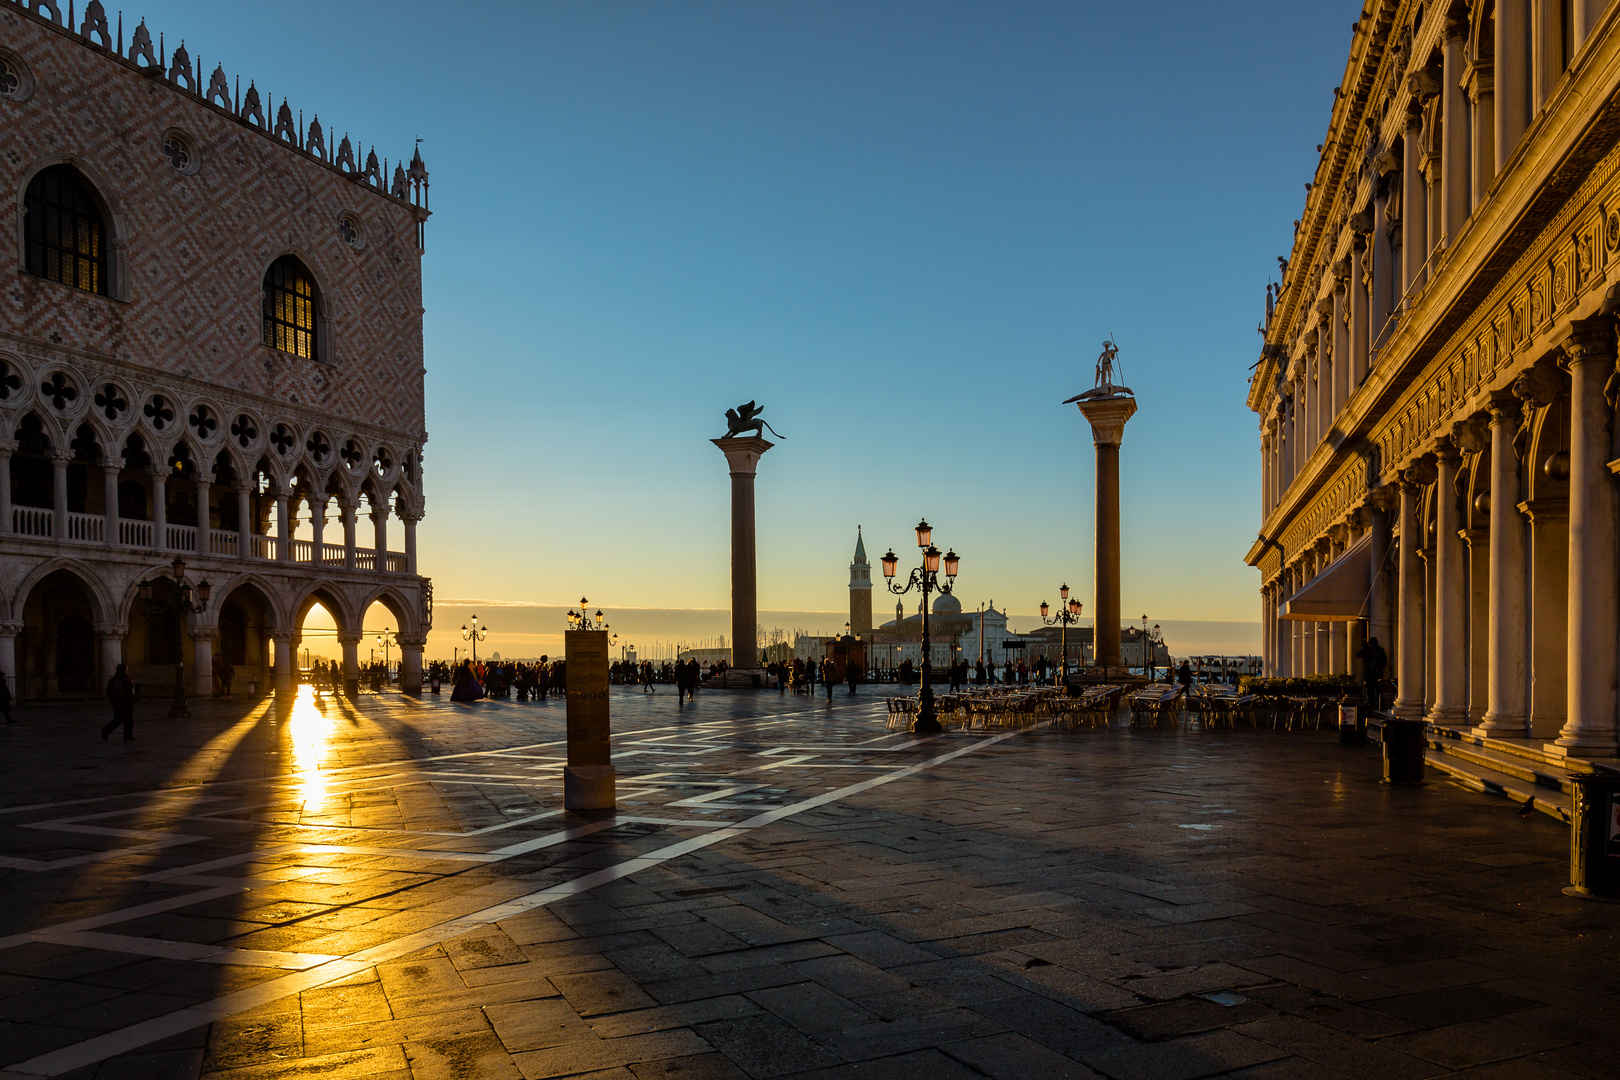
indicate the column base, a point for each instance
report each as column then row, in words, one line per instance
column 1408, row 710
column 589, row 787
column 1502, row 727
column 1450, row 717
column 1582, row 748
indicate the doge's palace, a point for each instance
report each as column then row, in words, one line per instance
column 210, row 350
column 1437, row 389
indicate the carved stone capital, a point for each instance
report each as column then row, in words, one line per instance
column 1384, row 497
column 1536, row 387
column 1420, row 473
column 1590, row 341
column 1471, row 435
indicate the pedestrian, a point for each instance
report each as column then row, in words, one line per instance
column 828, row 678
column 1374, row 662
column 852, row 674
column 1184, row 675
column 121, row 692
column 810, row 676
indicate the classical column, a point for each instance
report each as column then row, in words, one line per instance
column 410, row 663
column 1512, row 76
column 317, row 528
column 1380, row 621
column 1360, row 310
column 1107, row 416
column 1585, row 15
column 1297, row 661
column 110, row 469
column 1546, row 48
column 1482, row 94
column 1409, row 677
column 8, row 656
column 1313, row 398
column 284, row 524
column 7, row 447
column 742, row 458
column 59, row 464
column 379, row 531
column 1266, row 616
column 1414, row 206
column 411, row 518
column 283, row 640
column 160, row 506
column 1288, row 441
column 1265, row 472
column 202, row 653
column 1336, row 636
column 1594, row 584
column 1455, row 197
column 1451, row 596
column 244, row 523
column 349, row 641
column 348, row 507
column 204, row 507
column 1386, row 275
column 1342, row 386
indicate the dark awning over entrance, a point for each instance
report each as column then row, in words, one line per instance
column 1339, row 593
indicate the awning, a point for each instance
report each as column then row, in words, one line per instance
column 1339, row 593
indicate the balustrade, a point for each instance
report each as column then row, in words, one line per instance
column 92, row 527
column 222, row 543
column 134, row 533
column 181, row 538
column 32, row 521
column 264, row 547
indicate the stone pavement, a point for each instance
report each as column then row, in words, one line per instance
column 391, row 889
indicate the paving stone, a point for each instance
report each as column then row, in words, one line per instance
column 764, row 1046
column 533, row 1025
column 593, row 1054
column 456, row 1058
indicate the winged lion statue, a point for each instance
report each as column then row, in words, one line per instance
column 745, row 418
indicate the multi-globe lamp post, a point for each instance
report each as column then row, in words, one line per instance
column 474, row 633
column 1068, row 614
column 179, row 602
column 924, row 578
column 584, row 620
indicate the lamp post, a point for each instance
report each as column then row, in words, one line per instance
column 178, row 602
column 1068, row 613
column 386, row 639
column 474, row 633
column 583, row 619
column 926, row 579
column 1149, row 640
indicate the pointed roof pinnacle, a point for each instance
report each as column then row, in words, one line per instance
column 860, row 546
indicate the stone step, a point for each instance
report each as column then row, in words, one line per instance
column 1552, row 801
column 1527, row 770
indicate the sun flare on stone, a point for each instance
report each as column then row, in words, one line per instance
column 310, row 730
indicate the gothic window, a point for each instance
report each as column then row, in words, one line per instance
column 290, row 301
column 10, row 79
column 178, row 151
column 66, row 238
column 245, row 431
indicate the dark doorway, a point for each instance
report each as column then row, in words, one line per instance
column 233, row 634
column 75, row 655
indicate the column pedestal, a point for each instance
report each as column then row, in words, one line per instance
column 742, row 455
column 202, row 653
column 1107, row 416
column 349, row 642
column 588, row 778
column 284, row 685
column 410, row 663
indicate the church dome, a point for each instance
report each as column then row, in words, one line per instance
column 946, row 604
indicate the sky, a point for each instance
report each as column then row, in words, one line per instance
column 905, row 228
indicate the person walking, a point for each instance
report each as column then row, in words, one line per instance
column 810, row 676
column 827, row 679
column 852, row 674
column 1184, row 676
column 1374, row 662
column 121, row 692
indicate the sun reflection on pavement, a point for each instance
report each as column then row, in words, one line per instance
column 310, row 730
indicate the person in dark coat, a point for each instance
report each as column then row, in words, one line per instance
column 121, row 692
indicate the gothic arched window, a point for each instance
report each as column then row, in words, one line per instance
column 290, row 308
column 66, row 237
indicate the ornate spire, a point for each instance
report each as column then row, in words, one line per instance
column 860, row 546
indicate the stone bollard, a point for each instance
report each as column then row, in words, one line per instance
column 588, row 778
column 1404, row 744
column 1594, row 837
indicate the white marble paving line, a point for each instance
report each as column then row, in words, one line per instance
column 108, row 918
column 135, row 1036
column 182, row 950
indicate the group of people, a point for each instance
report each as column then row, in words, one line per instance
column 471, row 680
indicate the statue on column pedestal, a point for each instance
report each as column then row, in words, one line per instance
column 746, row 418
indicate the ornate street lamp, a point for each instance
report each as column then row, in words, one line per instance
column 1068, row 613
column 583, row 620
column 1150, row 639
column 926, row 579
column 183, row 600
column 386, row 639
column 474, row 633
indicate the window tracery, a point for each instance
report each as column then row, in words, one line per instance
column 290, row 300
column 111, row 401
column 66, row 238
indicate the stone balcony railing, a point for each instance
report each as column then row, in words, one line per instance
column 39, row 523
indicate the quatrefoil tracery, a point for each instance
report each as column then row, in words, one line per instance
column 111, row 402
column 159, row 412
column 351, row 455
column 282, row 439
column 202, row 422
column 58, row 390
column 318, row 447
column 244, row 430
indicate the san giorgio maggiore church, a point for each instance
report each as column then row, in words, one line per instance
column 211, row 352
column 1437, row 389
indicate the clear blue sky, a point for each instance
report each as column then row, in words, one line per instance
column 904, row 227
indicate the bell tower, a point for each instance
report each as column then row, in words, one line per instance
column 860, row 590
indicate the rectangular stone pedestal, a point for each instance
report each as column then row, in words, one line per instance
column 588, row 779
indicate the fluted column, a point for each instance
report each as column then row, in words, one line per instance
column 160, row 506
column 1505, row 713
column 1594, row 583
column 1585, row 15
column 1482, row 95
column 1340, row 316
column 1546, row 49
column 1454, row 163
column 1409, row 699
column 1386, row 276
column 1414, row 208
column 1360, row 311
column 1512, row 76
column 1451, row 597
column 110, row 469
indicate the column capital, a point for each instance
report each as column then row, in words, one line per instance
column 244, row 486
column 350, row 637
column 743, row 454
column 1455, row 28
column 283, row 637
column 60, row 457
column 319, row 498
column 1505, row 406
column 8, row 447
column 1419, row 474
column 106, row 630
column 110, row 462
column 1588, row 341
column 411, row 641
column 158, row 472
column 1446, row 452
column 10, row 629
column 1108, row 417
column 204, row 478
column 202, row 633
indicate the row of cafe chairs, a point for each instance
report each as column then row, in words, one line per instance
column 984, row 708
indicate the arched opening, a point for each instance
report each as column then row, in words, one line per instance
column 292, row 308
column 379, row 645
column 242, row 651
column 318, row 648
column 180, row 493
column 33, row 480
column 56, row 648
column 65, row 235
